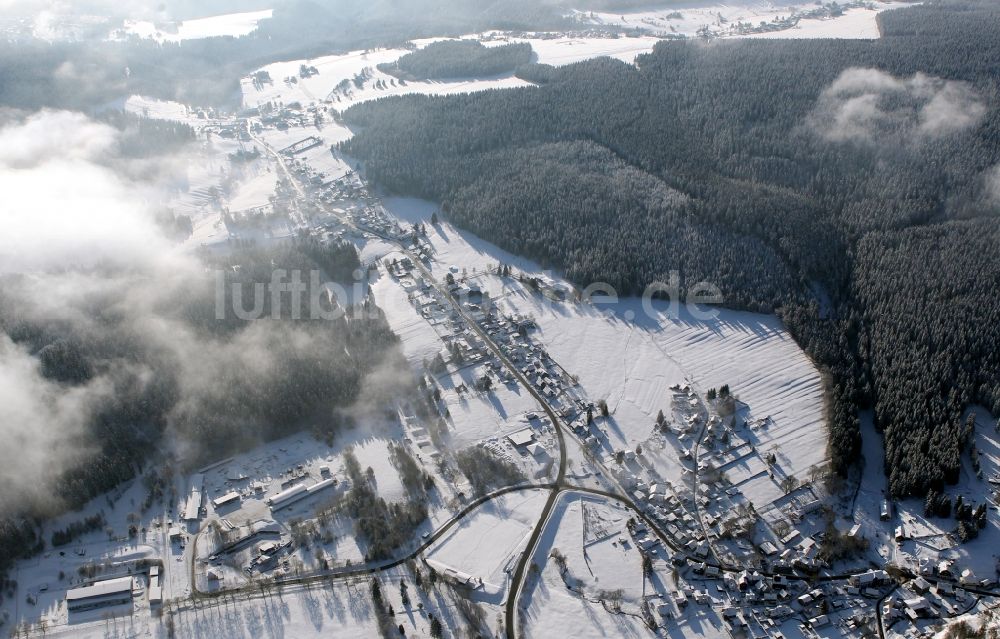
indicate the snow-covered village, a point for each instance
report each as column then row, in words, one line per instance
column 542, row 459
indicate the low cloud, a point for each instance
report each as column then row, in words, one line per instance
column 42, row 424
column 68, row 215
column 65, row 204
column 870, row 106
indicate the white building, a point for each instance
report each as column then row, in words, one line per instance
column 110, row 592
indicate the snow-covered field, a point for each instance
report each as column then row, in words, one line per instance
column 590, row 568
column 564, row 50
column 733, row 20
column 631, row 363
column 479, row 416
column 159, row 109
column 231, row 24
column 486, row 544
column 419, row 340
column 337, row 69
column 855, row 24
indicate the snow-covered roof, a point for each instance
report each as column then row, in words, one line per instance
column 101, row 589
column 521, row 437
column 537, row 450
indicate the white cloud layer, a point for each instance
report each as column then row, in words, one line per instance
column 870, row 106
column 42, row 425
column 63, row 204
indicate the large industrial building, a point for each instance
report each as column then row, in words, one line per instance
column 295, row 493
column 110, row 592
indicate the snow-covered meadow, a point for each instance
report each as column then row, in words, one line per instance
column 629, row 355
column 487, row 543
column 783, row 18
column 228, row 25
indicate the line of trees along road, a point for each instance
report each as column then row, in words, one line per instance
column 741, row 163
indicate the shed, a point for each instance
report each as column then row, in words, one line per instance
column 522, row 437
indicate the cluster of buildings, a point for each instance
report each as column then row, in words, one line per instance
column 527, row 439
column 939, row 591
column 310, row 142
column 285, row 116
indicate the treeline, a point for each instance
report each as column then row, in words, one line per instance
column 75, row 529
column 143, row 137
column 715, row 160
column 449, row 59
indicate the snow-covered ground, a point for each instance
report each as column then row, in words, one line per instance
column 486, row 544
column 562, row 50
column 855, row 24
column 928, row 537
column 419, row 339
column 734, row 19
column 594, row 563
column 630, row 358
column 475, row 416
column 337, row 69
column 158, row 109
column 231, row 24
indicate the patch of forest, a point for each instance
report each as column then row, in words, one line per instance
column 142, row 137
column 773, row 169
column 384, row 526
column 449, row 59
column 486, row 471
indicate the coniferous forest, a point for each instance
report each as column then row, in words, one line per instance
column 850, row 186
column 459, row 59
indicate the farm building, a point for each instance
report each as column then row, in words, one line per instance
column 538, row 451
column 229, row 498
column 193, row 504
column 155, row 590
column 452, row 575
column 885, row 514
column 297, row 492
column 111, row 592
column 522, row 437
column 287, row 496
